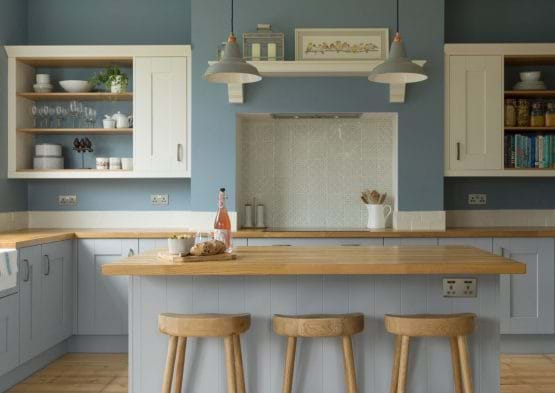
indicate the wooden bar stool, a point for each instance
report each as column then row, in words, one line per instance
column 320, row 325
column 181, row 326
column 455, row 326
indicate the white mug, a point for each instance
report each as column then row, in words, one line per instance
column 377, row 216
column 127, row 164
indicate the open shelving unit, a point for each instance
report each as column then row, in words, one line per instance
column 316, row 68
column 76, row 131
column 61, row 96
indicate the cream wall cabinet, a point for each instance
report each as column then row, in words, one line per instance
column 474, row 139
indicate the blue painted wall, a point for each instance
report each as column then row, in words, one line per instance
column 420, row 118
column 13, row 31
column 87, row 22
column 501, row 21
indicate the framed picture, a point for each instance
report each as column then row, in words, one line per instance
column 342, row 44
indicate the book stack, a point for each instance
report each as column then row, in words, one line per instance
column 529, row 151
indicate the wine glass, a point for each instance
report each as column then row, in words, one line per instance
column 80, row 113
column 51, row 116
column 59, row 115
column 43, row 114
column 74, row 111
column 34, row 113
column 93, row 117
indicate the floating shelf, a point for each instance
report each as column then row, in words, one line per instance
column 295, row 69
column 77, row 131
column 77, row 96
column 73, row 174
column 530, row 93
column 529, row 129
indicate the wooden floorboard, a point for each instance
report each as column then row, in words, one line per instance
column 86, row 372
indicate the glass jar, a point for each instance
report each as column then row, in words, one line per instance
column 537, row 116
column 523, row 113
column 550, row 115
column 510, row 112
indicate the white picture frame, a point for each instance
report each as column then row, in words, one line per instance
column 341, row 44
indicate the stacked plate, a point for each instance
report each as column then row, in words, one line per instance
column 48, row 156
column 43, row 84
column 530, row 81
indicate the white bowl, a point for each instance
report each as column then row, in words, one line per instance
column 48, row 150
column 48, row 162
column 180, row 246
column 42, row 88
column 530, row 76
column 73, row 86
column 43, row 79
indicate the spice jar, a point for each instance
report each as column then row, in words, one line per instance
column 550, row 115
column 523, row 113
column 510, row 112
column 537, row 116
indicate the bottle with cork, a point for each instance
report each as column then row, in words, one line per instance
column 222, row 223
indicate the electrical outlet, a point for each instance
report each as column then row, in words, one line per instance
column 67, row 200
column 159, row 199
column 459, row 287
column 477, row 199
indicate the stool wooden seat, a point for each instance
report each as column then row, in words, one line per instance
column 319, row 325
column 181, row 326
column 454, row 326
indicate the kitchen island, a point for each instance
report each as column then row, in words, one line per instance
column 290, row 280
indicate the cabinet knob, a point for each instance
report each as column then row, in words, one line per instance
column 458, row 151
column 25, row 274
column 46, row 265
column 131, row 252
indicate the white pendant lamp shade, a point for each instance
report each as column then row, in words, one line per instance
column 232, row 68
column 398, row 68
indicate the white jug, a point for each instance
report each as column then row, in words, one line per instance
column 377, row 216
column 122, row 121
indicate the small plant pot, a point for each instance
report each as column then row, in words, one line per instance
column 118, row 85
column 180, row 246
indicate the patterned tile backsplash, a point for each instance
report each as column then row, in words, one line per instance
column 310, row 172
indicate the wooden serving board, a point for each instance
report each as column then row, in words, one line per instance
column 176, row 258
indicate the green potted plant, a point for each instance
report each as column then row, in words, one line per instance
column 112, row 78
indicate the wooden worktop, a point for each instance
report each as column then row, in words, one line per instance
column 31, row 237
column 277, row 261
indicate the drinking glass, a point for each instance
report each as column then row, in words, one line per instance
column 81, row 113
column 74, row 111
column 59, row 116
column 44, row 116
column 93, row 117
column 34, row 113
column 65, row 113
column 51, row 116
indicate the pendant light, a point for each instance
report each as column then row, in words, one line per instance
column 398, row 68
column 231, row 68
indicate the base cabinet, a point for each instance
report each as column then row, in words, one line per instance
column 9, row 333
column 45, row 297
column 527, row 301
column 102, row 300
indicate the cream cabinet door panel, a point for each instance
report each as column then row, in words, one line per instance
column 161, row 140
column 475, row 112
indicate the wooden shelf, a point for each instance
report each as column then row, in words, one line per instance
column 316, row 68
column 530, row 93
column 77, row 131
column 77, row 96
column 530, row 129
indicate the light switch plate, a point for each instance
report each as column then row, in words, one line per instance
column 159, row 199
column 67, row 200
column 459, row 287
column 477, row 199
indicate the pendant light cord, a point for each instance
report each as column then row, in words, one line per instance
column 233, row 31
column 396, row 10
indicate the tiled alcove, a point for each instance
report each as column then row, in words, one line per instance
column 309, row 173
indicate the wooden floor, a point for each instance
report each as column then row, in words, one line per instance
column 108, row 373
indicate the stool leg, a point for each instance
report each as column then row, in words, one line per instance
column 465, row 365
column 230, row 364
column 180, row 364
column 170, row 360
column 289, row 364
column 239, row 374
column 396, row 362
column 349, row 362
column 456, row 361
column 403, row 364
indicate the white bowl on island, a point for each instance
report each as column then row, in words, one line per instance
column 75, row 86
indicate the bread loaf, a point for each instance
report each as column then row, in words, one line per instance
column 210, row 247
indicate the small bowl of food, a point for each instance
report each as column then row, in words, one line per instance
column 180, row 244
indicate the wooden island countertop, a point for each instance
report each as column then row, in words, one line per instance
column 278, row 261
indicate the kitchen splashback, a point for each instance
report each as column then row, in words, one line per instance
column 309, row 173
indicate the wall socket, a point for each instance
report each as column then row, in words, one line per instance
column 459, row 287
column 159, row 199
column 477, row 199
column 67, row 200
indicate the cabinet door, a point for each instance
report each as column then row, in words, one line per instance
column 161, row 131
column 151, row 244
column 102, row 300
column 56, row 292
column 9, row 333
column 527, row 300
column 475, row 112
column 30, row 275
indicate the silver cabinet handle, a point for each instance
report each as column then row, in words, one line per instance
column 179, row 152
column 458, row 151
column 46, row 265
column 281, row 245
column 502, row 249
column 131, row 252
column 25, row 273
